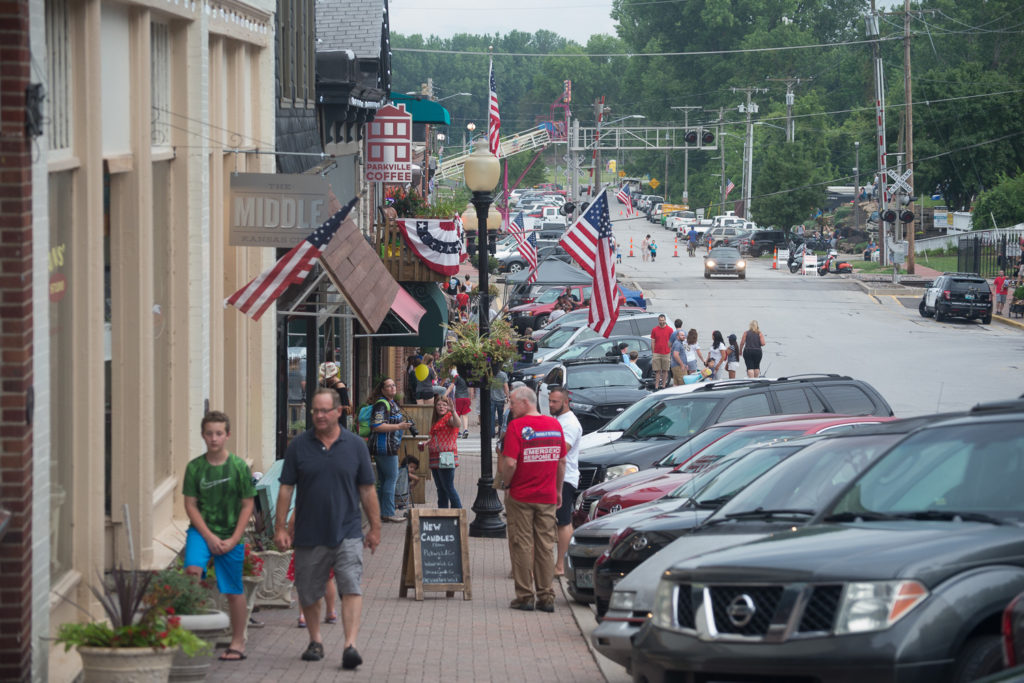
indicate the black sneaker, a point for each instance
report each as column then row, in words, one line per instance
column 350, row 658
column 313, row 653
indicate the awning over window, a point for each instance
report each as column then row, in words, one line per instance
column 408, row 309
column 423, row 110
column 431, row 325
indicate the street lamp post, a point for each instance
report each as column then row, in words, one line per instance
column 482, row 170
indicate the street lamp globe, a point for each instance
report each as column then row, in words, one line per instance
column 470, row 126
column 482, row 169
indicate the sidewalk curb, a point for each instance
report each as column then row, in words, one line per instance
column 612, row 672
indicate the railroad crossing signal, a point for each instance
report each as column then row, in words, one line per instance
column 899, row 182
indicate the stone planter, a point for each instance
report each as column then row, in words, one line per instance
column 276, row 588
column 210, row 627
column 126, row 664
column 220, row 602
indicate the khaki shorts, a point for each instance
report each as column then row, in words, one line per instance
column 678, row 372
column 661, row 362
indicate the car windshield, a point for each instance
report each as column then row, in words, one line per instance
column 970, row 469
column 706, row 468
column 724, row 252
column 694, row 446
column 627, row 417
column 812, row 477
column 680, row 418
column 560, row 335
column 548, row 296
column 605, row 375
column 727, row 483
column 748, row 437
column 574, row 351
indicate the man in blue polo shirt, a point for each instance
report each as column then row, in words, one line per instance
column 331, row 468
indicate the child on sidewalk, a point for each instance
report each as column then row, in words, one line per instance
column 219, row 494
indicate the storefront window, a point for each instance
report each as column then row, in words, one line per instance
column 62, row 353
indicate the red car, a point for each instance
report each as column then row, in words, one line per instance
column 655, row 488
column 677, row 460
column 536, row 313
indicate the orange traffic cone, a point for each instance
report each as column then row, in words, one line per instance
column 775, row 259
column 630, row 247
column 675, row 248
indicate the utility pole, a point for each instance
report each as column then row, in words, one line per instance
column 790, row 98
column 909, row 101
column 748, row 147
column 721, row 143
column 856, row 186
column 686, row 155
column 871, row 23
column 599, row 112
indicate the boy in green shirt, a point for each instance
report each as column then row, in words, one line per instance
column 219, row 496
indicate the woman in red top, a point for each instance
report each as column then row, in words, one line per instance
column 443, row 447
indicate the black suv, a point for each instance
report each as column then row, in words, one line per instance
column 957, row 295
column 599, row 389
column 766, row 241
column 904, row 579
column 674, row 416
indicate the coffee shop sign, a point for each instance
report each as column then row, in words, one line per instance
column 389, row 146
column 275, row 209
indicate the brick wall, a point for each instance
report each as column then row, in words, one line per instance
column 15, row 345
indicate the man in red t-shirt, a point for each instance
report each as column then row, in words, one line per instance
column 1001, row 291
column 462, row 300
column 662, row 361
column 532, row 465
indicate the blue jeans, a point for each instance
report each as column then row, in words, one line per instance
column 387, row 470
column 447, row 496
column 497, row 411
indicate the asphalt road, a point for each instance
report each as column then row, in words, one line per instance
column 831, row 325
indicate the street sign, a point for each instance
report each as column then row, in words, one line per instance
column 654, row 183
column 899, row 182
column 622, row 174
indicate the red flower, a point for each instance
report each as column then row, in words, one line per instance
column 170, row 610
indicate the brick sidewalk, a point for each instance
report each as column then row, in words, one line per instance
column 438, row 639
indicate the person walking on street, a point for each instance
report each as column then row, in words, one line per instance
column 532, row 465
column 219, row 496
column 653, row 246
column 463, row 400
column 499, row 397
column 328, row 468
column 732, row 362
column 443, row 447
column 558, row 405
column 386, row 426
column 694, row 358
column 750, row 348
column 662, row 336
column 678, row 359
column 718, row 353
column 645, row 249
column 1001, row 290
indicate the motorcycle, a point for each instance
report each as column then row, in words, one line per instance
column 796, row 257
column 832, row 264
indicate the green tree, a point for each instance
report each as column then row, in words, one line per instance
column 1003, row 204
column 789, row 184
column 516, row 166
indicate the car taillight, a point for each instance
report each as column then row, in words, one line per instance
column 945, row 294
column 1009, row 651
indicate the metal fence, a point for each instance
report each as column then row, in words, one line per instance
column 987, row 254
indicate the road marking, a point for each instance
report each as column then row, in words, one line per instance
column 877, row 301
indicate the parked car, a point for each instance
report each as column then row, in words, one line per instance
column 766, row 242
column 536, row 313
column 957, row 295
column 674, row 418
column 564, row 335
column 625, row 497
column 778, row 502
column 905, row 578
column 599, row 389
column 680, row 221
column 581, row 317
column 589, row 347
column 725, row 261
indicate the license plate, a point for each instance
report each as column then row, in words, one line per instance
column 584, row 578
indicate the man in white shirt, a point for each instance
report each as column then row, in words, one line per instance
column 558, row 405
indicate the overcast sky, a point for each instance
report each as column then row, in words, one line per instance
column 574, row 19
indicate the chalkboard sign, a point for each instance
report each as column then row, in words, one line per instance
column 436, row 554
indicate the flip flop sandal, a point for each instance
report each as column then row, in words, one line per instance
column 226, row 655
column 302, row 622
column 331, row 618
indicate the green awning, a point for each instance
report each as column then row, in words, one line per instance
column 423, row 110
column 431, row 334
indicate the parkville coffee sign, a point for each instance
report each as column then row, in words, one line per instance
column 275, row 209
column 389, row 146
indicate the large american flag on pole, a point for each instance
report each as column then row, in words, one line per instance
column 292, row 268
column 623, row 197
column 589, row 242
column 493, row 115
column 527, row 245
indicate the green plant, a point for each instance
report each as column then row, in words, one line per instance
column 261, row 535
column 479, row 358
column 131, row 623
column 1019, row 293
column 183, row 593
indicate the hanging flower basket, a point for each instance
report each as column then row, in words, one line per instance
column 477, row 359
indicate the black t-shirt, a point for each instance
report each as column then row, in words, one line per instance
column 327, row 485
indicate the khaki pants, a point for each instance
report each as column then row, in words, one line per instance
column 531, row 545
column 678, row 372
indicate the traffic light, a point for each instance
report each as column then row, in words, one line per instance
column 708, row 137
column 889, row 216
column 906, row 216
column 690, row 137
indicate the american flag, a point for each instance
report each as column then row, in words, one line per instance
column 292, row 268
column 729, row 185
column 527, row 245
column 589, row 242
column 493, row 115
column 623, row 197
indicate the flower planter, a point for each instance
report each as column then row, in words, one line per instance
column 276, row 588
column 210, row 627
column 126, row 664
column 220, row 602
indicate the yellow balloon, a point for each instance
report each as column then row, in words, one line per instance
column 422, row 371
